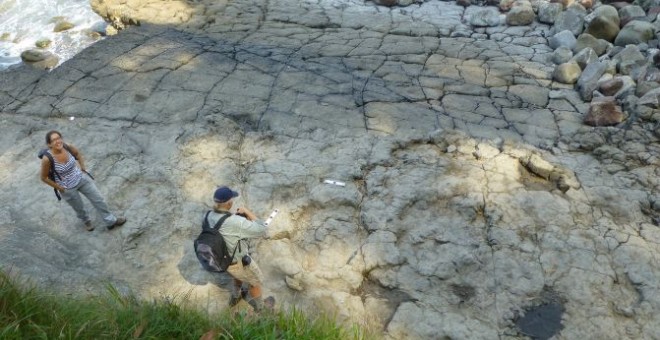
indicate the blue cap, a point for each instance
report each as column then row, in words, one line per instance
column 224, row 194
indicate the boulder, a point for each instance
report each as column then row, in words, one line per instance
column 603, row 28
column 520, row 15
column 571, row 19
column 549, row 11
column 43, row 43
column 562, row 39
column 585, row 40
column 567, row 73
column 483, row 16
column 604, row 111
column 635, row 32
column 63, row 25
column 603, row 23
column 610, row 87
column 627, row 56
column 651, row 99
column 585, row 57
column 40, row 59
column 588, row 81
column 630, row 13
column 562, row 55
column 646, row 4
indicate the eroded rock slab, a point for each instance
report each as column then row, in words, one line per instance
column 472, row 186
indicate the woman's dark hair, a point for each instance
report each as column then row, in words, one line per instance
column 49, row 133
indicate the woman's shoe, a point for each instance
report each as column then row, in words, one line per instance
column 120, row 222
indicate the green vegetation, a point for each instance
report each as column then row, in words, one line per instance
column 29, row 313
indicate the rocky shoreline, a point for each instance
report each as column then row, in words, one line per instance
column 479, row 189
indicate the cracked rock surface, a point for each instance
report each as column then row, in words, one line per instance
column 473, row 189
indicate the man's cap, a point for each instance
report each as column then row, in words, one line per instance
column 224, row 194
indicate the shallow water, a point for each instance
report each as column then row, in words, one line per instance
column 24, row 22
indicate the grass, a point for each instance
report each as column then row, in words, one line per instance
column 30, row 313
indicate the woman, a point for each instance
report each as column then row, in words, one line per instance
column 71, row 180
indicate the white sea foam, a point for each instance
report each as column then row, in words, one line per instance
column 24, row 22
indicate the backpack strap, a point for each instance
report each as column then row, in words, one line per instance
column 205, row 224
column 52, row 173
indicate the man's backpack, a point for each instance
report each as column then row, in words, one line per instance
column 210, row 246
column 52, row 173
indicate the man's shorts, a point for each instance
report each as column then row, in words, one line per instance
column 250, row 274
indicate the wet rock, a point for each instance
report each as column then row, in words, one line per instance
column 541, row 322
column 39, row 58
column 604, row 111
column 43, row 43
column 63, row 25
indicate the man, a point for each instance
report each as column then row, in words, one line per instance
column 236, row 229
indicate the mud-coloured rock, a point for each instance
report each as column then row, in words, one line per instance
column 604, row 111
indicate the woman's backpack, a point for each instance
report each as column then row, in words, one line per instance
column 210, row 246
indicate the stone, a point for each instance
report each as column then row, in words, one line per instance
column 483, row 17
column 585, row 57
column 585, row 40
column 610, row 87
column 635, row 32
column 627, row 88
column 43, row 43
column 604, row 111
column 549, row 11
column 643, row 87
column 629, row 13
column 520, row 15
column 646, row 4
column 567, row 73
column 63, row 25
column 40, row 59
column 588, row 81
column 464, row 3
column 562, row 39
column 626, row 57
column 572, row 19
column 33, row 55
column 603, row 23
column 651, row 99
column 562, row 55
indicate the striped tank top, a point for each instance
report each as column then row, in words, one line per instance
column 70, row 174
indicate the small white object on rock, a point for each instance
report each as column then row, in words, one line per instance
column 333, row 182
column 72, row 118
